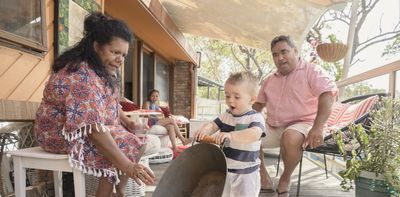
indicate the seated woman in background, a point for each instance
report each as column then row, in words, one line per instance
column 152, row 103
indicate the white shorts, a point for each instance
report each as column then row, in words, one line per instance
column 274, row 134
column 247, row 185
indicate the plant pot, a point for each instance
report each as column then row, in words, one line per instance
column 331, row 52
column 369, row 185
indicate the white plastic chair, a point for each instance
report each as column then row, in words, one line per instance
column 37, row 158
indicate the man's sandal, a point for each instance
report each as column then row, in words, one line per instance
column 267, row 190
column 282, row 193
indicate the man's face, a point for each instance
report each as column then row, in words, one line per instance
column 285, row 57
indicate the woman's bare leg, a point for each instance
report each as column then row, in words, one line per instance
column 169, row 121
column 104, row 189
column 172, row 136
column 180, row 136
column 121, row 186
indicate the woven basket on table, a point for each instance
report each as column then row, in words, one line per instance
column 131, row 189
column 331, row 52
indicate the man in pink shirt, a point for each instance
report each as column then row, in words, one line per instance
column 298, row 98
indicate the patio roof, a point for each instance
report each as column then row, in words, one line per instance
column 152, row 26
column 252, row 23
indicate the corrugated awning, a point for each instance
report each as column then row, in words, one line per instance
column 250, row 22
column 202, row 81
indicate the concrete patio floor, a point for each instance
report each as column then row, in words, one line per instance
column 313, row 180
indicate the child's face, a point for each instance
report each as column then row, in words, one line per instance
column 238, row 98
column 154, row 96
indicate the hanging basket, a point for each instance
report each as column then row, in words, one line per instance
column 331, row 52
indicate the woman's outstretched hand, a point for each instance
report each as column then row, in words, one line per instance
column 140, row 174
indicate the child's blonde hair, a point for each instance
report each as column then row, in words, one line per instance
column 247, row 77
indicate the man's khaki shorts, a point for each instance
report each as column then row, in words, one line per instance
column 274, row 134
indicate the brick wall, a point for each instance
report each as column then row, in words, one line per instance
column 181, row 89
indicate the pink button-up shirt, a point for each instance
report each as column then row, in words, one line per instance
column 294, row 98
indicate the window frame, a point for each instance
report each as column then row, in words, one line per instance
column 21, row 42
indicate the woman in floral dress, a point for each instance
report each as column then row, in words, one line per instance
column 79, row 114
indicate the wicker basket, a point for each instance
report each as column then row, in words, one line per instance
column 331, row 52
column 131, row 189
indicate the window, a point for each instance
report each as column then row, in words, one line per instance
column 22, row 22
column 162, row 76
column 148, row 74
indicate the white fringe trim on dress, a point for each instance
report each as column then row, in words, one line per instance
column 78, row 164
column 78, row 149
column 83, row 131
column 93, row 171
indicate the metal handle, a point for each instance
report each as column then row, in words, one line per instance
column 209, row 139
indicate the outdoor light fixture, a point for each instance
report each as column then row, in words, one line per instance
column 199, row 59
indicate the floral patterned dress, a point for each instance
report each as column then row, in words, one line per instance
column 74, row 103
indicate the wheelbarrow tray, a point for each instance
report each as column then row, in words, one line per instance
column 184, row 173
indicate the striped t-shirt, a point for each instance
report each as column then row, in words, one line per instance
column 241, row 158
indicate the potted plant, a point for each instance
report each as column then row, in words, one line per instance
column 372, row 153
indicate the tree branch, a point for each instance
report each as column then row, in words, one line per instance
column 374, row 42
column 395, row 33
column 236, row 58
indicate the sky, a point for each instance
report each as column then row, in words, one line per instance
column 386, row 12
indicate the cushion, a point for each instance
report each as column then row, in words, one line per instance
column 128, row 106
column 337, row 110
column 153, row 144
column 166, row 111
column 344, row 114
column 353, row 112
column 158, row 130
column 179, row 119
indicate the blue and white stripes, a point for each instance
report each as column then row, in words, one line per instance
column 241, row 158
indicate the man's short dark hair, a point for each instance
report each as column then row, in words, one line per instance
column 283, row 38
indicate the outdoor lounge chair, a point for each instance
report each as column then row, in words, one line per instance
column 351, row 111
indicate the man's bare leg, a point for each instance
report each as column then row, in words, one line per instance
column 291, row 151
column 266, row 181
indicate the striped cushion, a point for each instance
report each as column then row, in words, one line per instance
column 344, row 114
column 337, row 110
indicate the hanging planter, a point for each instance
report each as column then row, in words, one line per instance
column 331, row 52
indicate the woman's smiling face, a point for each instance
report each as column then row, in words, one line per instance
column 112, row 55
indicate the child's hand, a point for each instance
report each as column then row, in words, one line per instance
column 219, row 138
column 200, row 134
